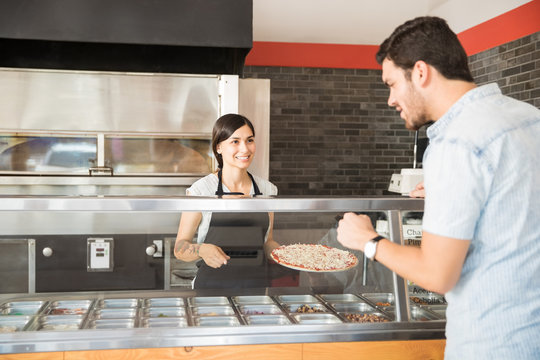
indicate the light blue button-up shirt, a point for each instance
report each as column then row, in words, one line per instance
column 482, row 181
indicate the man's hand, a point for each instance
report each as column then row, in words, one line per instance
column 354, row 231
column 419, row 191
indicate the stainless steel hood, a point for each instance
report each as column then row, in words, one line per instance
column 165, row 36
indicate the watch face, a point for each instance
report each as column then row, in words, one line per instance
column 369, row 249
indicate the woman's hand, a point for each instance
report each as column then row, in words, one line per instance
column 419, row 191
column 213, row 255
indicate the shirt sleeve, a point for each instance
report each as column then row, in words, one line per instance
column 457, row 181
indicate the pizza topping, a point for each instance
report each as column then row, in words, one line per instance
column 314, row 257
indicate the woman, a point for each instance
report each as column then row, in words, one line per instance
column 246, row 237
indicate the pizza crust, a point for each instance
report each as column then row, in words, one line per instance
column 314, row 258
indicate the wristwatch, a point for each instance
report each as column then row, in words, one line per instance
column 370, row 249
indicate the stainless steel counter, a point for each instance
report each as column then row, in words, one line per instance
column 193, row 333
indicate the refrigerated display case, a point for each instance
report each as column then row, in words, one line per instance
column 368, row 303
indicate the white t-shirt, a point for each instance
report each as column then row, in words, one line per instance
column 207, row 186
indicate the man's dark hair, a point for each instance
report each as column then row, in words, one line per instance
column 431, row 40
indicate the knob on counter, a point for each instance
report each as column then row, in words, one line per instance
column 47, row 252
column 151, row 250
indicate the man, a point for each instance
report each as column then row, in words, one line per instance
column 481, row 226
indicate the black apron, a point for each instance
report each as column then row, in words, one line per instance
column 241, row 236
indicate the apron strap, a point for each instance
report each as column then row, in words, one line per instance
column 220, row 192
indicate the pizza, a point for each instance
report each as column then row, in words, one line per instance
column 313, row 257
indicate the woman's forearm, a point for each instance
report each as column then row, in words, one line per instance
column 186, row 251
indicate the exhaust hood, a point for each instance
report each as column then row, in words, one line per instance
column 163, row 36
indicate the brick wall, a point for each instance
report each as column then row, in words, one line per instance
column 332, row 132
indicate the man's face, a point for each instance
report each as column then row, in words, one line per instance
column 404, row 96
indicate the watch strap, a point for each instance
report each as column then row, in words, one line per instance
column 377, row 238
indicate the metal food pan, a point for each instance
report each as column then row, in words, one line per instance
column 354, row 308
column 216, row 321
column 59, row 322
column 118, row 303
column 267, row 320
column 252, row 299
column 166, row 302
column 441, row 313
column 164, row 312
column 260, row 309
column 383, row 298
column 419, row 314
column 13, row 323
column 294, row 308
column 115, row 313
column 37, row 303
column 208, row 300
column 432, row 299
column 297, row 299
column 164, row 322
column 68, row 307
column 337, row 298
column 19, row 310
column 367, row 317
column 212, row 310
column 111, row 324
column 317, row 319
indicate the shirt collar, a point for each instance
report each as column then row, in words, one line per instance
column 470, row 96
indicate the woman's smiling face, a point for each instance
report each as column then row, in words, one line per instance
column 238, row 150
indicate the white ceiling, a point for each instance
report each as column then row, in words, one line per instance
column 362, row 22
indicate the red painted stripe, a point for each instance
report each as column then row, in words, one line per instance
column 313, row 55
column 516, row 23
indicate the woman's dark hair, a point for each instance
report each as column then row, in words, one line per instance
column 431, row 40
column 223, row 129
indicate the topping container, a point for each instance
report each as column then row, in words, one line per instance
column 267, row 320
column 118, row 303
column 217, row 321
column 164, row 312
column 68, row 307
column 164, row 322
column 305, row 308
column 208, row 300
column 381, row 298
column 111, row 324
column 167, row 302
column 297, row 299
column 336, row 298
column 244, row 300
column 259, row 309
column 115, row 313
column 212, row 310
column 13, row 323
column 59, row 322
column 317, row 319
